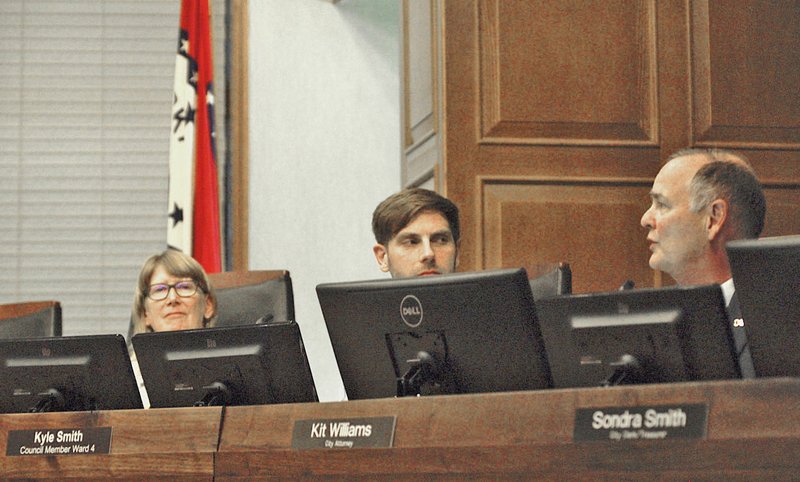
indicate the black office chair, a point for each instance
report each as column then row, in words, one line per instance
column 245, row 297
column 550, row 279
column 249, row 297
column 30, row 319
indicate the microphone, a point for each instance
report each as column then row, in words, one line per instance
column 627, row 285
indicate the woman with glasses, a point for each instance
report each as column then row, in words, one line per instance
column 173, row 293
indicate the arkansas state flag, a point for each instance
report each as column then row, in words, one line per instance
column 193, row 192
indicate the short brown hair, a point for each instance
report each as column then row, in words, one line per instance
column 177, row 264
column 396, row 211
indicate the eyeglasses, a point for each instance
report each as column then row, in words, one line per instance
column 160, row 291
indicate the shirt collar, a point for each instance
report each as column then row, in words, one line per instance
column 727, row 290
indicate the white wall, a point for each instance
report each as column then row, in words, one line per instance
column 324, row 147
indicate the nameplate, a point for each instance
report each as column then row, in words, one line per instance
column 656, row 422
column 63, row 441
column 347, row 433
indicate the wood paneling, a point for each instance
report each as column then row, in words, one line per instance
column 528, row 221
column 558, row 115
column 167, row 444
column 745, row 75
column 783, row 209
column 526, row 436
column 239, row 137
column 599, row 84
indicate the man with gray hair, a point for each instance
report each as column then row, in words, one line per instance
column 701, row 199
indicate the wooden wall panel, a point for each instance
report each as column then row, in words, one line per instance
column 540, row 89
column 238, row 143
column 783, row 209
column 557, row 116
column 745, row 75
column 599, row 84
column 531, row 221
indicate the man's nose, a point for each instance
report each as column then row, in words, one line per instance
column 647, row 219
column 427, row 250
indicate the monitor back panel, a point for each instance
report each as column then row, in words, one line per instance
column 262, row 364
column 766, row 273
column 95, row 369
column 703, row 333
column 487, row 329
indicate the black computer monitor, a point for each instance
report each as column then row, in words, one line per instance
column 455, row 333
column 638, row 336
column 233, row 365
column 73, row 373
column 766, row 273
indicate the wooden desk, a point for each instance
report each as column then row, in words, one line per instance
column 753, row 432
column 175, row 444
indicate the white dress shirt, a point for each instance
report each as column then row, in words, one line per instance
column 727, row 290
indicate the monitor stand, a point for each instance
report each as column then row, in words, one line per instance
column 626, row 371
column 51, row 400
column 217, row 395
column 420, row 361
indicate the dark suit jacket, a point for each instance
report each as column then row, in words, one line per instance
column 740, row 338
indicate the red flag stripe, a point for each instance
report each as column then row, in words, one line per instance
column 206, row 229
column 194, row 225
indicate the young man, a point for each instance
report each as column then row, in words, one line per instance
column 416, row 233
column 701, row 199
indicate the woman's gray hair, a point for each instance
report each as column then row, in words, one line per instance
column 177, row 264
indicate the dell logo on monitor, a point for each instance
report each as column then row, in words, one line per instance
column 411, row 311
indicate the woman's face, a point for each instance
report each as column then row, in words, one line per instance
column 179, row 310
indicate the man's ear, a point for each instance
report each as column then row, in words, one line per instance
column 381, row 256
column 718, row 213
